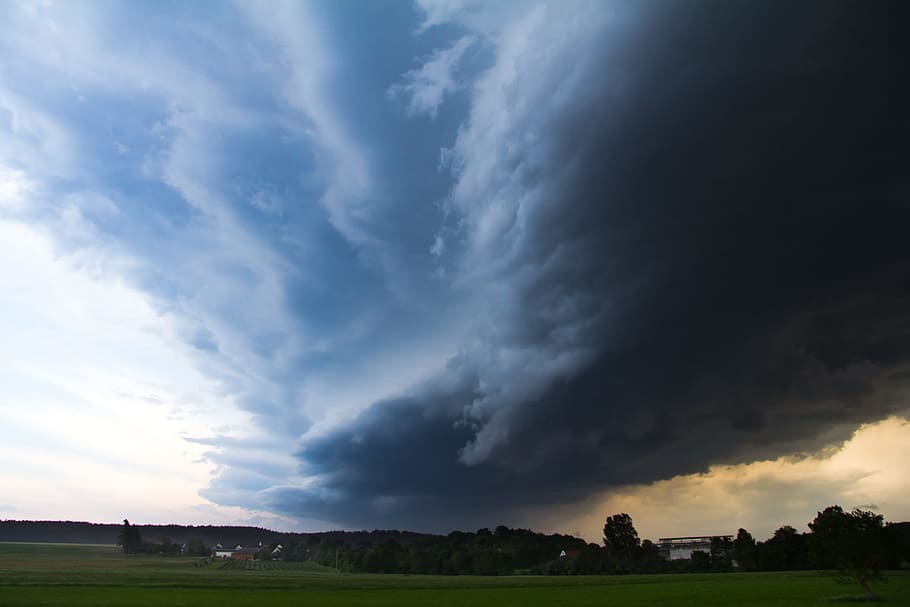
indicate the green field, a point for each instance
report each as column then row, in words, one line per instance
column 83, row 575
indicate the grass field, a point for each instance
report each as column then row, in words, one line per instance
column 83, row 575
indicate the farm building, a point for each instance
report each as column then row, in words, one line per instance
column 237, row 553
column 245, row 554
column 680, row 548
column 225, row 553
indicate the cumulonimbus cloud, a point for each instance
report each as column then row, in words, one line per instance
column 682, row 229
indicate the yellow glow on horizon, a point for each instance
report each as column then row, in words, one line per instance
column 869, row 471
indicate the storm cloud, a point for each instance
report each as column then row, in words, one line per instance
column 681, row 228
column 442, row 263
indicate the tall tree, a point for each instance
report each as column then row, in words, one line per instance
column 721, row 551
column 829, row 531
column 853, row 542
column 621, row 541
column 744, row 550
column 129, row 539
column 787, row 549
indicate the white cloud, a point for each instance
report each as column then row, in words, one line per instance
column 266, row 202
column 425, row 88
column 304, row 71
column 15, row 189
column 482, row 16
column 91, row 376
column 86, row 346
column 211, row 261
column 37, row 141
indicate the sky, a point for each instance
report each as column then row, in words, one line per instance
column 450, row 264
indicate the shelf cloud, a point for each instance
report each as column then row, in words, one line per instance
column 442, row 264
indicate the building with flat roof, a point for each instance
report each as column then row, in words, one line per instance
column 681, row 548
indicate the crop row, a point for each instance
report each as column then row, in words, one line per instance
column 238, row 565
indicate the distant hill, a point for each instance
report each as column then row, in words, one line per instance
column 75, row 532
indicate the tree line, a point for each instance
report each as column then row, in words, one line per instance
column 131, row 542
column 108, row 533
column 858, row 543
column 502, row 551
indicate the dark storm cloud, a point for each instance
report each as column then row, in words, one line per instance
column 716, row 241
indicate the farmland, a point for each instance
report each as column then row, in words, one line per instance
column 83, row 575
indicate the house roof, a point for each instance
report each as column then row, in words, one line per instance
column 691, row 538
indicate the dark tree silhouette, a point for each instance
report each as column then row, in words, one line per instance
column 701, row 561
column 785, row 550
column 721, row 551
column 621, row 541
column 130, row 539
column 744, row 550
column 852, row 542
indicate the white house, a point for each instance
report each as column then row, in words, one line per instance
column 225, row 553
column 681, row 548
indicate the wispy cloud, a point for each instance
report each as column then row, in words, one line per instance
column 306, row 63
column 425, row 88
column 250, row 266
column 159, row 222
